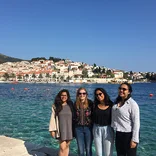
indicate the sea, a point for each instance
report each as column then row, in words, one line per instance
column 25, row 111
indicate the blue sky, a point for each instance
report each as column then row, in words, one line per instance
column 119, row 34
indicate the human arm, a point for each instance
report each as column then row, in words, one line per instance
column 135, row 116
column 52, row 124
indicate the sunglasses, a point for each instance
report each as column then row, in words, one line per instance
column 98, row 94
column 124, row 89
column 63, row 95
column 82, row 93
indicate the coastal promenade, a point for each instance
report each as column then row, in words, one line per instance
column 16, row 147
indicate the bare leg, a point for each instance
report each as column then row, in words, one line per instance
column 64, row 148
column 67, row 147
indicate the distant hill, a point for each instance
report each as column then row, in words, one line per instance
column 4, row 58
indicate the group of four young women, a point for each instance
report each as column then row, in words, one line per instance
column 98, row 120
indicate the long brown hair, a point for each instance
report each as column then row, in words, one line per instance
column 78, row 102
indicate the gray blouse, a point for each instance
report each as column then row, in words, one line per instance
column 65, row 123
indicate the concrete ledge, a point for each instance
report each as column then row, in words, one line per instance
column 16, row 147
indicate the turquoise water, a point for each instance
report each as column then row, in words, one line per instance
column 25, row 114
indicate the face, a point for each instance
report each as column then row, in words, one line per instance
column 64, row 97
column 82, row 94
column 124, row 91
column 99, row 95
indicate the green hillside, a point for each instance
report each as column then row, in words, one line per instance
column 4, row 58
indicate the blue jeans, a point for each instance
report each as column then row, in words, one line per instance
column 104, row 140
column 84, row 140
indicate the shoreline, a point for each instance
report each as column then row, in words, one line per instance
column 15, row 147
column 22, row 82
column 51, row 82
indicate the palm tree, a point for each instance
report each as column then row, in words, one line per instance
column 54, row 76
column 33, row 75
column 19, row 77
column 84, row 73
column 26, row 76
column 68, row 78
column 40, row 76
column 6, row 76
column 47, row 76
column 62, row 78
column 12, row 76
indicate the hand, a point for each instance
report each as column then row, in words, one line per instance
column 133, row 144
column 53, row 134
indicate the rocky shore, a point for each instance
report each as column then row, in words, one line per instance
column 16, row 147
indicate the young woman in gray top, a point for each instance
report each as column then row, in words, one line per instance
column 60, row 126
column 126, row 122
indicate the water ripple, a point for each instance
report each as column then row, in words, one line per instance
column 25, row 113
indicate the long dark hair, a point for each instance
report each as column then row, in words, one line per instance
column 119, row 99
column 107, row 99
column 58, row 102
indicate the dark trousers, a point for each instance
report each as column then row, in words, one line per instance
column 122, row 142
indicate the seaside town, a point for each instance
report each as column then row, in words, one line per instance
column 65, row 71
